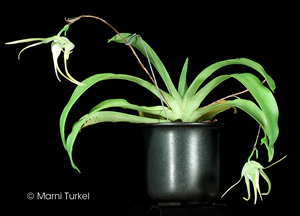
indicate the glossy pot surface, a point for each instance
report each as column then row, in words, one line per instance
column 182, row 164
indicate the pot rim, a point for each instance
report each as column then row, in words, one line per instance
column 174, row 124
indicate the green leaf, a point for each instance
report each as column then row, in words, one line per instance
column 197, row 99
column 265, row 141
column 103, row 116
column 268, row 118
column 182, row 86
column 212, row 68
column 247, row 106
column 106, row 76
column 209, row 115
column 148, row 115
column 96, row 116
column 154, row 110
column 266, row 101
column 154, row 59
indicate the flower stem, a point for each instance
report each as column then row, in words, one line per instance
column 254, row 147
column 72, row 20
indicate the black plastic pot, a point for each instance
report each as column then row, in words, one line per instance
column 182, row 162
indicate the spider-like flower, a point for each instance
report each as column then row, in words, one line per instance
column 251, row 171
column 59, row 44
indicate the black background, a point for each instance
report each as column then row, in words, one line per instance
column 110, row 155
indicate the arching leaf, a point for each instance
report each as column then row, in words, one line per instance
column 103, row 116
column 100, row 77
column 154, row 59
column 212, row 68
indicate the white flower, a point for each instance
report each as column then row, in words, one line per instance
column 59, row 44
column 251, row 171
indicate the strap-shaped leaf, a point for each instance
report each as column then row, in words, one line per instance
column 148, row 115
column 96, row 116
column 262, row 95
column 103, row 116
column 197, row 99
column 248, row 106
column 155, row 110
column 251, row 109
column 209, row 115
column 182, row 85
column 106, row 76
column 154, row 59
column 212, row 68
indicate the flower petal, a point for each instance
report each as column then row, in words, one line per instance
column 56, row 50
column 268, row 181
column 66, row 46
column 29, row 47
column 248, row 188
column 66, row 69
column 257, row 183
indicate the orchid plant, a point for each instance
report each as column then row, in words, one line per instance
column 181, row 104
